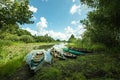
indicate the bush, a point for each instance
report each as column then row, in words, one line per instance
column 27, row 38
column 8, row 36
column 98, row 47
column 5, row 42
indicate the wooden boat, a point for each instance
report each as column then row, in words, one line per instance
column 57, row 54
column 69, row 55
column 72, row 51
column 35, row 59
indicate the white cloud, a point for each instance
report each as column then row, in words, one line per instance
column 57, row 35
column 80, row 27
column 73, row 0
column 69, row 30
column 32, row 8
column 79, row 31
column 42, row 23
column 42, row 32
column 76, row 32
column 33, row 32
column 53, row 34
column 75, row 9
column 74, row 22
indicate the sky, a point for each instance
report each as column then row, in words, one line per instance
column 57, row 18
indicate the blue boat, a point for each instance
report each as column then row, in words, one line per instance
column 35, row 59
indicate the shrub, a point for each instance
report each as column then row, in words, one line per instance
column 8, row 36
column 98, row 47
column 27, row 38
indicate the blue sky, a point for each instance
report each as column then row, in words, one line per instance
column 57, row 18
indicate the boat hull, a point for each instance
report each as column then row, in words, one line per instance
column 72, row 51
column 35, row 60
column 69, row 55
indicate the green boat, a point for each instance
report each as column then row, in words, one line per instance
column 72, row 51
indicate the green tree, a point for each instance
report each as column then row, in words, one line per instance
column 72, row 38
column 21, row 32
column 14, row 12
column 27, row 38
column 102, row 24
column 44, row 38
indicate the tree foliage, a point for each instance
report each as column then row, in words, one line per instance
column 102, row 24
column 44, row 38
column 72, row 38
column 27, row 38
column 14, row 12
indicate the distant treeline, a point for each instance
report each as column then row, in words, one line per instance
column 14, row 33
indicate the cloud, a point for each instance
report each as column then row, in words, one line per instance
column 79, row 31
column 33, row 32
column 75, row 9
column 53, row 34
column 42, row 32
column 32, row 8
column 73, row 0
column 57, row 35
column 74, row 22
column 42, row 23
column 69, row 30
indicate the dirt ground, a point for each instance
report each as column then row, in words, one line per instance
column 22, row 73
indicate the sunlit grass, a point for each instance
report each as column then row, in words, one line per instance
column 12, row 55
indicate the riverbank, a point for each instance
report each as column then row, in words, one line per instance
column 12, row 55
column 92, row 66
column 95, row 66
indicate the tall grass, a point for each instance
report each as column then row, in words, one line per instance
column 12, row 55
column 10, row 67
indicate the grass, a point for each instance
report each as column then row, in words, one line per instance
column 13, row 53
column 85, row 67
column 94, row 66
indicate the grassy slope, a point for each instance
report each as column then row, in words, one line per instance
column 12, row 55
column 90, row 66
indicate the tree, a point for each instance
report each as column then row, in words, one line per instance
column 44, row 38
column 102, row 24
column 14, row 12
column 21, row 32
column 72, row 38
column 27, row 38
